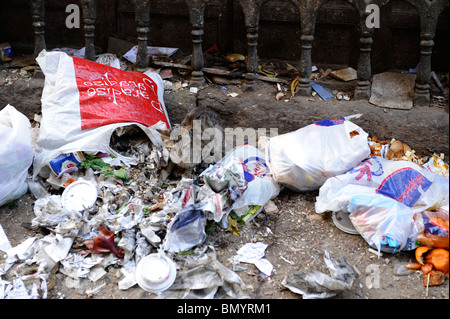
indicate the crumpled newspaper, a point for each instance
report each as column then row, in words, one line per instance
column 317, row 285
column 204, row 277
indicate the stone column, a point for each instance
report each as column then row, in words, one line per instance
column 142, row 17
column 304, row 86
column 38, row 15
column 89, row 18
column 308, row 13
column 196, row 16
column 429, row 15
column 362, row 91
column 251, row 10
column 423, row 76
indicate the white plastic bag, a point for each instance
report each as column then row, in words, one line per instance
column 403, row 181
column 224, row 183
column 304, row 159
column 16, row 154
column 83, row 102
column 261, row 187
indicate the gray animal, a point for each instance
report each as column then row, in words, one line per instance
column 200, row 140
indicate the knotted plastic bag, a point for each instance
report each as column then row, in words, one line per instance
column 304, row 159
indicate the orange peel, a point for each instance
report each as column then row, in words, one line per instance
column 413, row 266
column 427, row 268
column 420, row 251
column 439, row 259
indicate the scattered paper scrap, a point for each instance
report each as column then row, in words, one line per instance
column 253, row 253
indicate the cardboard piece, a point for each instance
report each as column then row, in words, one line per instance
column 348, row 74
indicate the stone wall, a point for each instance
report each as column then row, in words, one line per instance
column 319, row 32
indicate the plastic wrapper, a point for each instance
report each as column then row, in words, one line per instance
column 433, row 228
column 16, row 154
column 205, row 277
column 318, row 285
column 6, row 53
column 303, row 160
column 186, row 230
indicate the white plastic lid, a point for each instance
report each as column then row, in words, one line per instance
column 155, row 273
column 79, row 195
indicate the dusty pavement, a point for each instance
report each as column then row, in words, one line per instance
column 296, row 236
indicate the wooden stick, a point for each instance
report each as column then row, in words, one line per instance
column 215, row 71
column 172, row 65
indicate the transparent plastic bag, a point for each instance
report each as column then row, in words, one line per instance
column 383, row 222
column 404, row 181
column 245, row 173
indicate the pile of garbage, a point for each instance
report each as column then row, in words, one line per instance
column 105, row 190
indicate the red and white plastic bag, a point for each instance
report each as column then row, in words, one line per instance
column 83, row 102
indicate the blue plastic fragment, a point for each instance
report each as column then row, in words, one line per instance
column 324, row 93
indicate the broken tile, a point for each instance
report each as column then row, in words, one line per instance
column 393, row 90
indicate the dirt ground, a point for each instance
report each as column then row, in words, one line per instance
column 296, row 238
column 296, row 235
